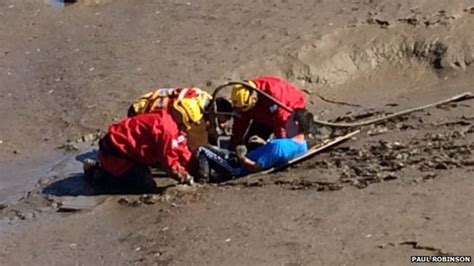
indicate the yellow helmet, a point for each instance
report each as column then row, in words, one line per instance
column 190, row 111
column 241, row 96
column 204, row 99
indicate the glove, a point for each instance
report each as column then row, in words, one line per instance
column 183, row 178
column 188, row 180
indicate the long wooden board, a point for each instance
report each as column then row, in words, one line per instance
column 309, row 153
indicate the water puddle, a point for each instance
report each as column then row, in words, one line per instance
column 79, row 203
column 20, row 177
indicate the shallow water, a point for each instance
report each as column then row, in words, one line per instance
column 19, row 177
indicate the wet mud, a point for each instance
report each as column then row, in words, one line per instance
column 399, row 188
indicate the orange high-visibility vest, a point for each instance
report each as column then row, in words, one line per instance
column 162, row 97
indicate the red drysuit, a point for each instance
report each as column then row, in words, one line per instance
column 148, row 139
column 267, row 112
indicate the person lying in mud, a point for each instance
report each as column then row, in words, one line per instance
column 134, row 144
column 268, row 118
column 163, row 97
column 216, row 165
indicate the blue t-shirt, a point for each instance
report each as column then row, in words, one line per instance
column 277, row 152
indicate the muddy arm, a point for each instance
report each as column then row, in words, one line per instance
column 250, row 165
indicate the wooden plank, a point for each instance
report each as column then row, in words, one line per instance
column 312, row 151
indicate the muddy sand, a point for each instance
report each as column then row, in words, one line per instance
column 400, row 188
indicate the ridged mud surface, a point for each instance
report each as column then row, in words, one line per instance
column 400, row 188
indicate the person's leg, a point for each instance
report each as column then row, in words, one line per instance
column 215, row 164
column 116, row 174
column 96, row 177
column 136, row 180
column 93, row 174
column 203, row 171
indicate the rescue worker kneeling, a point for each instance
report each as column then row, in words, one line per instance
column 134, row 144
column 259, row 115
column 217, row 165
